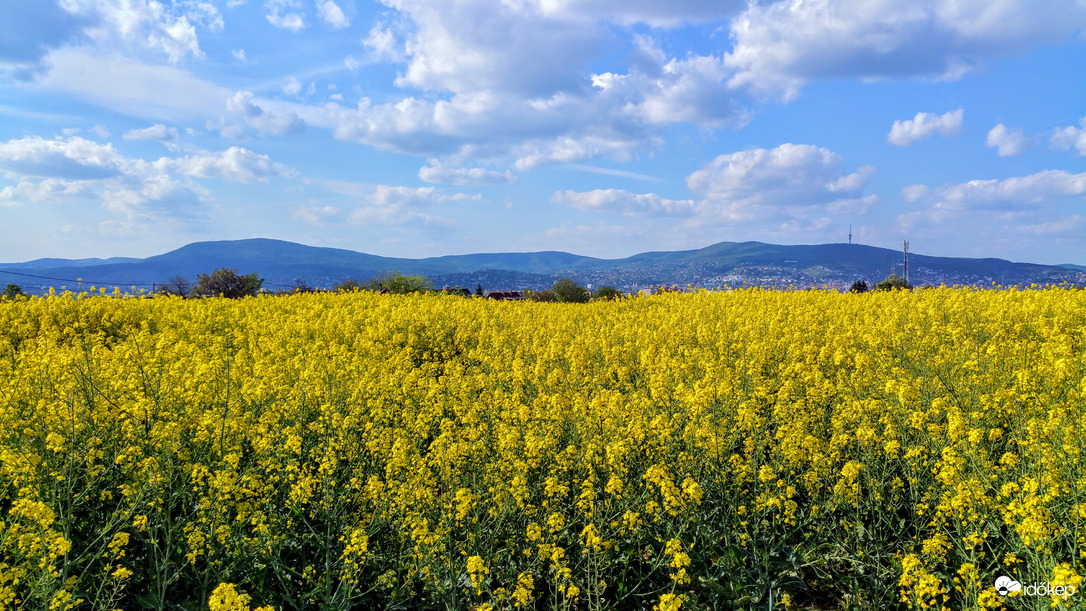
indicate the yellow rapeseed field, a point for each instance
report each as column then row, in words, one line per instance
column 723, row 450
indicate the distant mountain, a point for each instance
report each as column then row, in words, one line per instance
column 282, row 263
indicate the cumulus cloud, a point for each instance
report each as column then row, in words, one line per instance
column 779, row 46
column 50, row 171
column 232, row 165
column 239, row 54
column 292, row 86
column 149, row 23
column 29, row 34
column 790, row 175
column 244, row 108
column 332, row 15
column 925, row 125
column 1070, row 138
column 1007, row 194
column 285, row 14
column 624, row 202
column 1022, row 214
column 400, row 205
column 491, row 94
column 650, row 12
column 157, row 132
column 396, row 196
column 661, row 90
column 791, row 188
column 437, row 172
column 71, row 158
column 316, row 215
column 1008, row 142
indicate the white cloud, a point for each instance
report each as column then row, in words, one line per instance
column 659, row 90
column 1008, row 142
column 398, row 196
column 1008, row 194
column 71, row 158
column 132, row 87
column 100, row 131
column 475, row 45
column 233, row 165
column 332, row 15
column 157, row 132
column 147, row 22
column 284, row 14
column 1071, row 226
column 53, row 171
column 790, row 175
column 397, row 216
column 779, row 46
column 383, row 44
column 292, row 86
column 1070, row 137
column 259, row 115
column 316, row 215
column 790, row 190
column 925, row 125
column 239, row 54
column 492, row 94
column 437, row 172
column 624, row 202
column 351, row 63
column 400, row 205
column 651, row 12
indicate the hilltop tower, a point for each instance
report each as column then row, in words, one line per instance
column 850, row 233
column 905, row 253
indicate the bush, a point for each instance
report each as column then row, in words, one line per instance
column 893, row 281
column 567, row 291
column 606, row 293
column 546, row 296
column 12, row 290
column 858, row 287
column 399, row 284
column 348, row 286
column 227, row 283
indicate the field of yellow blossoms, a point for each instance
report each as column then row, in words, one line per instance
column 719, row 450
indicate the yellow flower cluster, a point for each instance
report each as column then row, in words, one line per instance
column 369, row 451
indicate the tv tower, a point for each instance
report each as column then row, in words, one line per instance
column 850, row 233
column 905, row 252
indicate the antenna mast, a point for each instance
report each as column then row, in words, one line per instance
column 906, row 257
column 850, row 233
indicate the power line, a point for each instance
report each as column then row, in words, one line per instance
column 4, row 271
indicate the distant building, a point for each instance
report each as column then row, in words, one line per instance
column 504, row 295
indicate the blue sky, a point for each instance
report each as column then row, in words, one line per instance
column 600, row 127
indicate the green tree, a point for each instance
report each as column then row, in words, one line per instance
column 177, row 285
column 399, row 284
column 606, row 293
column 349, row 285
column 12, row 290
column 893, row 281
column 227, row 283
column 859, row 286
column 479, row 290
column 546, row 296
column 568, row 291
